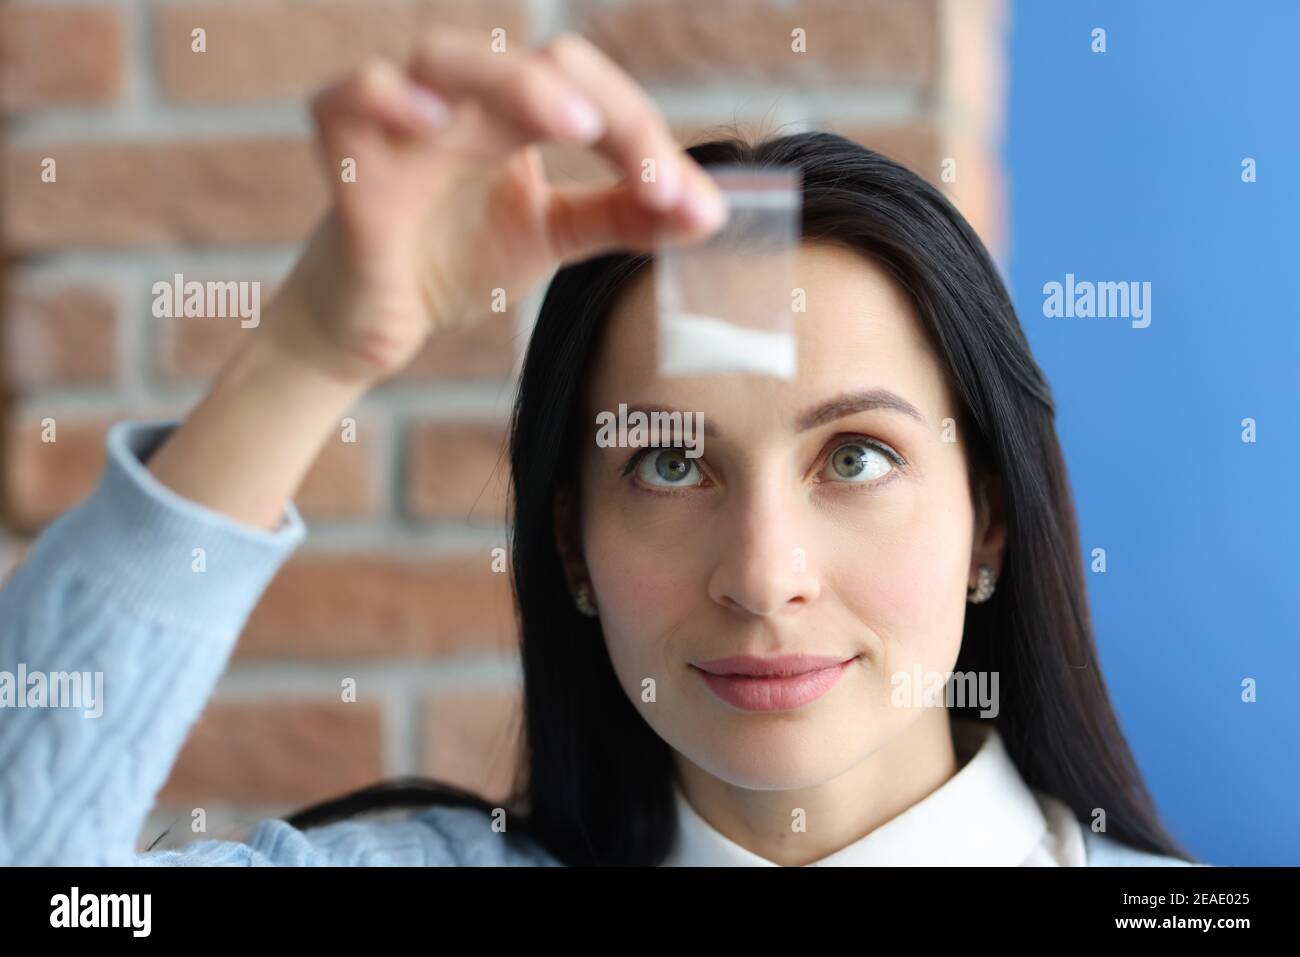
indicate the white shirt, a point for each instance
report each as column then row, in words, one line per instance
column 984, row 814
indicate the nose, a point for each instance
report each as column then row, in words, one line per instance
column 764, row 565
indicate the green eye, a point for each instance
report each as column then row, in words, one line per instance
column 668, row 467
column 855, row 462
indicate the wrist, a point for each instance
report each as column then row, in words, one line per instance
column 296, row 341
column 337, row 325
column 244, row 449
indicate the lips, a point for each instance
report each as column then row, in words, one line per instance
column 781, row 666
column 782, row 683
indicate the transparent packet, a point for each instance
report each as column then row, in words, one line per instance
column 726, row 304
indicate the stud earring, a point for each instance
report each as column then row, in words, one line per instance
column 583, row 599
column 983, row 589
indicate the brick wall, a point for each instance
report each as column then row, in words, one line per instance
column 201, row 163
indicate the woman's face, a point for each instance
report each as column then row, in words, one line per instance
column 822, row 518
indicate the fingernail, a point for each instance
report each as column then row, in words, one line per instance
column 430, row 107
column 582, row 119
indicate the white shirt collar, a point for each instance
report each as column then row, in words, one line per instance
column 984, row 814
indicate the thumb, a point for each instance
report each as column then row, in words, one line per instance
column 583, row 221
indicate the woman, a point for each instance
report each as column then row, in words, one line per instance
column 728, row 658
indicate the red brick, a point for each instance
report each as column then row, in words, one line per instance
column 472, row 739
column 270, row 751
column 849, row 42
column 196, row 349
column 222, row 191
column 59, row 56
column 59, row 335
column 44, row 479
column 342, row 481
column 458, row 471
column 267, row 49
column 374, row 605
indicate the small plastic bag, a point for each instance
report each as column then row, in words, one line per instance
column 726, row 304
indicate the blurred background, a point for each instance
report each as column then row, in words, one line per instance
column 1116, row 165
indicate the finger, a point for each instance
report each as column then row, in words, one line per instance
column 583, row 221
column 637, row 130
column 380, row 92
column 525, row 93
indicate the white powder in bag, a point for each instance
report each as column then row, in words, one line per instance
column 691, row 344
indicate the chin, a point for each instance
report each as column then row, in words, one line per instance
column 767, row 755
column 773, row 772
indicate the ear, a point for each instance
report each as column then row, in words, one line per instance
column 568, row 536
column 990, row 538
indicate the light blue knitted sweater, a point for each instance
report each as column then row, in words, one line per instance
column 110, row 587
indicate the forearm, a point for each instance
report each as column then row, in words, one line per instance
column 245, row 448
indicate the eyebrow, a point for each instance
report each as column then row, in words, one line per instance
column 844, row 404
column 847, row 403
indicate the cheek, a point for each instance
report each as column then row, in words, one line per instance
column 906, row 577
column 647, row 587
column 637, row 581
column 643, row 560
